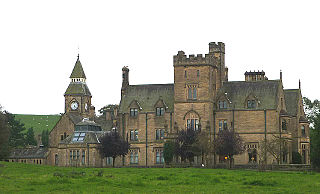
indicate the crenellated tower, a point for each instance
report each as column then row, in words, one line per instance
column 196, row 82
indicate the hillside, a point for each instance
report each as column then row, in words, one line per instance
column 38, row 122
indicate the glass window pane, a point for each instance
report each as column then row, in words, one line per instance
column 189, row 93
column 192, row 124
column 220, row 125
column 80, row 138
column 194, row 93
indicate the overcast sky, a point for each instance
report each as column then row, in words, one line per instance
column 39, row 43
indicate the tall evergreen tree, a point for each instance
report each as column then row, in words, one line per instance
column 4, row 136
column 30, row 140
column 45, row 138
column 16, row 138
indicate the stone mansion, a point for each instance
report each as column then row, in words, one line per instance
column 201, row 97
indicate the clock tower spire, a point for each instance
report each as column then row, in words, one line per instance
column 77, row 95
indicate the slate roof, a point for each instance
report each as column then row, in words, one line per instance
column 77, row 71
column 78, row 88
column 90, row 137
column 75, row 117
column 28, row 153
column 291, row 99
column 266, row 92
column 147, row 96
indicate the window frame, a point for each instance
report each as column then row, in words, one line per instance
column 223, row 104
column 160, row 111
column 134, row 135
column 251, row 104
column 133, row 112
column 192, row 92
column 159, row 134
column 159, row 157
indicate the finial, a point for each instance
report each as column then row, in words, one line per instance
column 280, row 74
column 299, row 84
column 78, row 52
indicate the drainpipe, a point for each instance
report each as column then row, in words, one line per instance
column 265, row 136
column 233, row 119
column 280, row 146
column 214, row 138
column 146, row 139
column 88, row 155
column 123, row 134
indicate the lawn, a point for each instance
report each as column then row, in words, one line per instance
column 29, row 178
column 38, row 122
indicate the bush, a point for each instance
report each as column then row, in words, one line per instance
column 168, row 152
column 296, row 158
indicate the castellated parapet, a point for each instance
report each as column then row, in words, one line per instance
column 209, row 59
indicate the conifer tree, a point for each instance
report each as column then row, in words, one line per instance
column 45, row 138
column 30, row 140
column 16, row 138
column 4, row 136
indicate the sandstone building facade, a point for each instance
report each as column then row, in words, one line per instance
column 201, row 98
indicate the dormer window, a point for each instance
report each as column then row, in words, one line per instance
column 160, row 111
column 251, row 104
column 223, row 104
column 133, row 112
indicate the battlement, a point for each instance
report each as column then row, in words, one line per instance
column 208, row 59
column 216, row 47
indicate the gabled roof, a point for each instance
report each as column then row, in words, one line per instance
column 77, row 71
column 78, row 88
column 291, row 99
column 28, row 153
column 147, row 96
column 75, row 117
column 266, row 92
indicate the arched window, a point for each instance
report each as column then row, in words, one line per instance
column 192, row 121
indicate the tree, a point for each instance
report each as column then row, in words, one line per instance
column 16, row 138
column 4, row 136
column 275, row 146
column 30, row 140
column 168, row 151
column 185, row 145
column 315, row 141
column 313, row 114
column 312, row 109
column 113, row 145
column 203, row 144
column 45, row 138
column 228, row 143
column 110, row 107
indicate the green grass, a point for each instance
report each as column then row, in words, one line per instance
column 29, row 178
column 38, row 122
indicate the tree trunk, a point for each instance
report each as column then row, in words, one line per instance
column 113, row 159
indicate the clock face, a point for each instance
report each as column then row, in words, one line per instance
column 74, row 105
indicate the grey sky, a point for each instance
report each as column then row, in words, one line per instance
column 39, row 45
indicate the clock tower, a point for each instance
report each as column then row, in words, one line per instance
column 77, row 95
